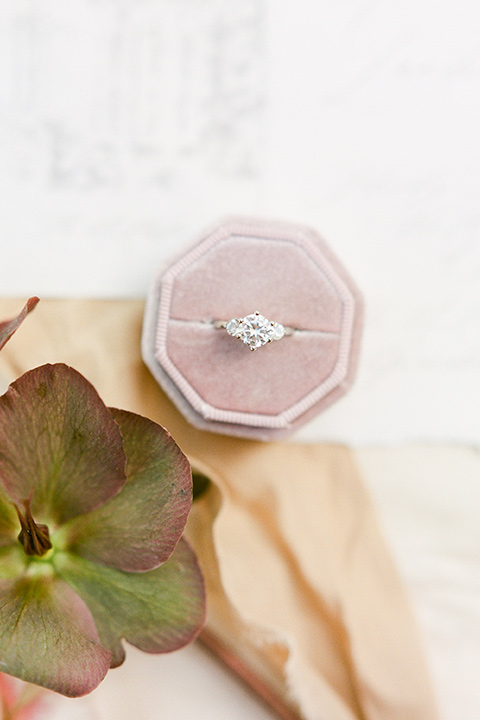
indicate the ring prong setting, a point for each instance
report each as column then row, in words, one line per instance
column 254, row 330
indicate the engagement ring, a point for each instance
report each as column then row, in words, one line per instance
column 254, row 330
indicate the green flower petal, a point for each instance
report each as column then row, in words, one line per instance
column 47, row 636
column 138, row 529
column 157, row 611
column 13, row 562
column 9, row 525
column 59, row 443
column 8, row 327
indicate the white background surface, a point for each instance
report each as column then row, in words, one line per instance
column 129, row 126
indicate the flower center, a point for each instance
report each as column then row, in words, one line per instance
column 34, row 537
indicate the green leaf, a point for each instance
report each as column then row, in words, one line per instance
column 59, row 444
column 47, row 636
column 8, row 327
column 157, row 611
column 138, row 529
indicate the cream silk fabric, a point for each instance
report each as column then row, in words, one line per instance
column 300, row 582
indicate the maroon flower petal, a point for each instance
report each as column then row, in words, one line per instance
column 157, row 611
column 8, row 327
column 138, row 529
column 59, row 444
column 47, row 636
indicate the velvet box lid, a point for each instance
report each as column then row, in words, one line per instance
column 289, row 275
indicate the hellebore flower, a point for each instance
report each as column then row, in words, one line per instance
column 93, row 503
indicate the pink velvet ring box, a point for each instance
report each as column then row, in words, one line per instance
column 290, row 276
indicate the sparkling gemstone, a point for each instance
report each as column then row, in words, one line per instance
column 233, row 327
column 255, row 331
column 278, row 331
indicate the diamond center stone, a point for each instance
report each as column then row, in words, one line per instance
column 256, row 330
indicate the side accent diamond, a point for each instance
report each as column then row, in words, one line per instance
column 233, row 327
column 278, row 331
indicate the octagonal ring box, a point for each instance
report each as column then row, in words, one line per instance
column 289, row 275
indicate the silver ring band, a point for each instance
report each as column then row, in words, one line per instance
column 254, row 330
